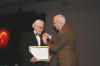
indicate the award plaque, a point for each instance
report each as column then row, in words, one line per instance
column 40, row 52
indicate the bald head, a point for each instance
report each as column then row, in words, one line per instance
column 59, row 18
column 59, row 21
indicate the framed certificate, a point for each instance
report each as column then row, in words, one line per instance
column 40, row 52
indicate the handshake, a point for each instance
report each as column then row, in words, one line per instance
column 46, row 36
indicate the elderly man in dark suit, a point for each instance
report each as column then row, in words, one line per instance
column 64, row 43
column 32, row 39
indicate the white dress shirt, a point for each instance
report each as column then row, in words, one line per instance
column 38, row 38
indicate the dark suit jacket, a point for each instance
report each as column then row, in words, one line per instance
column 29, row 39
column 64, row 44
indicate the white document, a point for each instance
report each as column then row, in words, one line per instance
column 40, row 52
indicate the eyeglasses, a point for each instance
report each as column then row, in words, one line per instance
column 40, row 27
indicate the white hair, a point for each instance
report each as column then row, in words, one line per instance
column 36, row 22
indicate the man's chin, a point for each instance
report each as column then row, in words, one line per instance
column 40, row 33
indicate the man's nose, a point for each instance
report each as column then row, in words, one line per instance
column 41, row 30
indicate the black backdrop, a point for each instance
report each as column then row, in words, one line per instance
column 17, row 24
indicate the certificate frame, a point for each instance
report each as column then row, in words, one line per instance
column 40, row 47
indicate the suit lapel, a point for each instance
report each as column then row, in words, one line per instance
column 34, row 40
column 42, row 43
column 63, row 29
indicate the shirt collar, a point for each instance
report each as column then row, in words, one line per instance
column 35, row 32
column 61, row 28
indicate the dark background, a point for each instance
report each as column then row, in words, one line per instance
column 83, row 15
column 17, row 24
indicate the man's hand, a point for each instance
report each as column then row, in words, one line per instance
column 33, row 59
column 47, row 35
column 48, row 60
column 44, row 38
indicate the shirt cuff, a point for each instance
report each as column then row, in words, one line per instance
column 50, row 37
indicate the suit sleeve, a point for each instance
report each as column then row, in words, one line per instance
column 25, row 49
column 61, row 40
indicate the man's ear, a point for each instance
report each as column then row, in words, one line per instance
column 34, row 27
